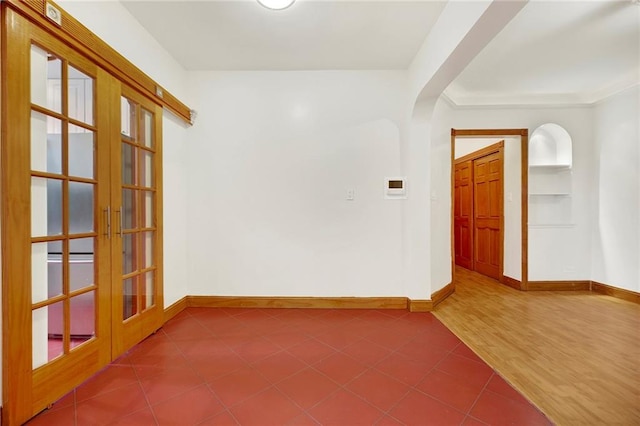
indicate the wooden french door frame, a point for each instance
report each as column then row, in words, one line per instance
column 524, row 177
column 26, row 391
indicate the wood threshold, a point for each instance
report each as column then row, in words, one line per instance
column 297, row 302
column 440, row 295
column 619, row 293
column 175, row 308
column 559, row 286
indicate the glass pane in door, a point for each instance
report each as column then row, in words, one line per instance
column 130, row 296
column 48, row 333
column 83, row 318
column 81, row 263
column 81, row 152
column 128, row 164
column 128, row 118
column 147, row 249
column 46, row 207
column 80, row 95
column 147, row 215
column 146, row 173
column 146, row 136
column 46, row 79
column 81, row 202
column 46, row 143
column 46, row 270
column 148, row 289
column 129, row 253
column 129, row 198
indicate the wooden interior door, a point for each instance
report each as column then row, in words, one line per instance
column 463, row 214
column 55, row 247
column 137, row 309
column 488, row 200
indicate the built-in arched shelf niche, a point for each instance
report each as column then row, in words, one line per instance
column 550, row 183
column 550, row 146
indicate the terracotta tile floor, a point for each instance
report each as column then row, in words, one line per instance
column 296, row 367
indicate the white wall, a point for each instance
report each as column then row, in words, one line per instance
column 615, row 186
column 439, row 196
column 465, row 146
column 131, row 40
column 175, row 183
column 271, row 158
column 416, row 216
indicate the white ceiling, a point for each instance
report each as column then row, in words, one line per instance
column 556, row 52
column 575, row 51
column 310, row 35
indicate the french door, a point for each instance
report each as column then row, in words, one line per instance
column 136, row 176
column 81, row 227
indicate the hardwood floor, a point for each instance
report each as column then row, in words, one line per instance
column 575, row 355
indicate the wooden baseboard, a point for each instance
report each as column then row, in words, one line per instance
column 297, row 302
column 559, row 286
column 175, row 308
column 512, row 282
column 440, row 295
column 620, row 293
column 416, row 305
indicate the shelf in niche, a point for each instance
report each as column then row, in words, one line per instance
column 550, row 166
column 551, row 225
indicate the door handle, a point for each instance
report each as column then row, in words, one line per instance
column 107, row 213
column 119, row 215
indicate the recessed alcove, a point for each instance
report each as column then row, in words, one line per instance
column 550, row 146
column 550, row 186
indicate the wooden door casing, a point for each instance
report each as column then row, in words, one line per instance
column 488, row 204
column 463, row 214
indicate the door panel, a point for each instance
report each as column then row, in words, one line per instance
column 487, row 178
column 463, row 214
column 55, row 284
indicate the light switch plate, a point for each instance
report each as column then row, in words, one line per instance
column 351, row 194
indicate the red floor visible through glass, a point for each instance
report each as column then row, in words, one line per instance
column 298, row 367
